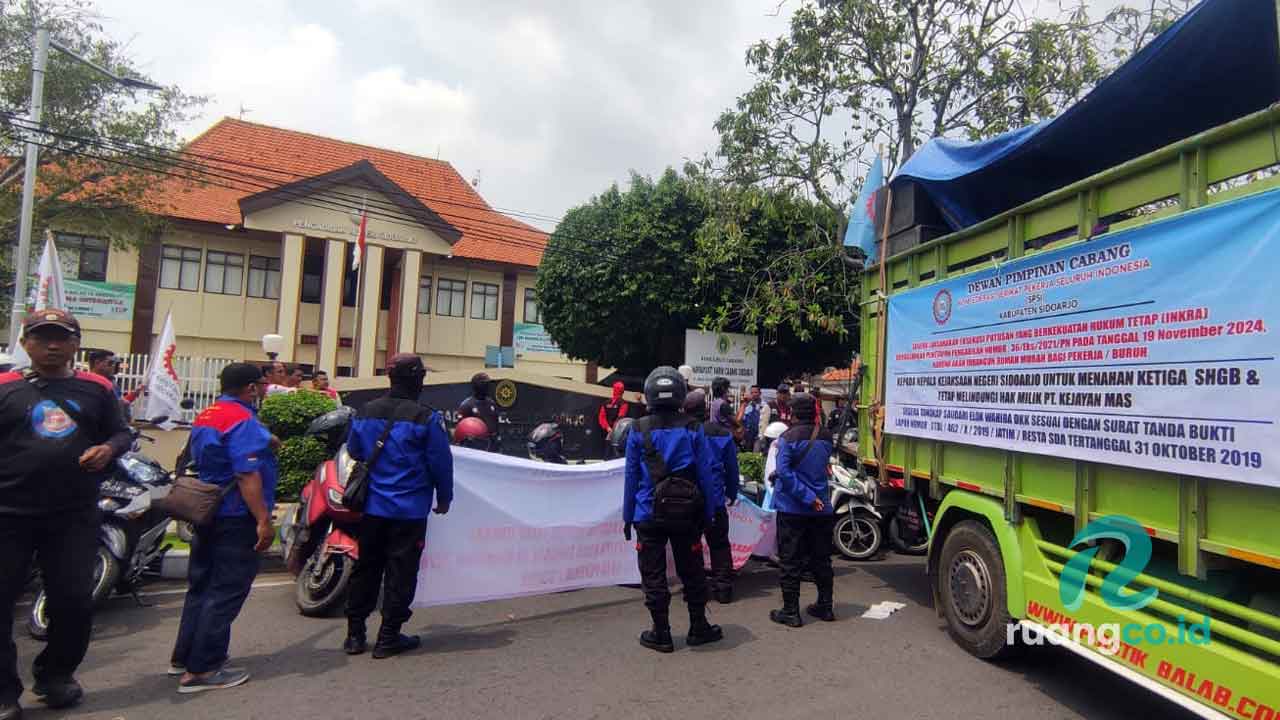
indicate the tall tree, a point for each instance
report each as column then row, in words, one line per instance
column 626, row 273
column 90, row 178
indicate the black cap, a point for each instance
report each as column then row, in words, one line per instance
column 405, row 365
column 51, row 316
column 784, row 388
column 238, row 376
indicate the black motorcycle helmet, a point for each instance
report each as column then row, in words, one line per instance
column 664, row 389
column 546, row 442
column 618, row 435
column 332, row 427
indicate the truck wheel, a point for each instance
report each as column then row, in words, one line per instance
column 971, row 586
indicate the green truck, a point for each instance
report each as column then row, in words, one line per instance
column 1076, row 382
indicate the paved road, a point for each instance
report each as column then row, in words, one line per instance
column 573, row 655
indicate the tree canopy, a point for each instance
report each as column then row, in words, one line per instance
column 626, row 273
column 92, row 177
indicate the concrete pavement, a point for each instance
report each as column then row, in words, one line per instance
column 574, row 655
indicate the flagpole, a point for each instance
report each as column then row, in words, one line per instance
column 356, row 326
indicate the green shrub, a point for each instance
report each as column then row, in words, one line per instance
column 287, row 415
column 751, row 466
column 299, row 457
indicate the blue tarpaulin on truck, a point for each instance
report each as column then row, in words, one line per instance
column 1219, row 62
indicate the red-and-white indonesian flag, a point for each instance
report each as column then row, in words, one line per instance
column 164, row 391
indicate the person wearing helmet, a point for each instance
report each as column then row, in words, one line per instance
column 617, row 439
column 805, row 519
column 717, row 532
column 671, row 493
column 613, row 410
column 480, row 404
column 414, row 465
column 546, row 443
column 471, row 432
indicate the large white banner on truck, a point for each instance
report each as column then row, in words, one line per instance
column 1152, row 347
column 519, row 527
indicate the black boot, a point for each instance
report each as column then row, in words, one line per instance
column 789, row 615
column 701, row 631
column 391, row 642
column 356, row 642
column 822, row 609
column 658, row 638
column 59, row 694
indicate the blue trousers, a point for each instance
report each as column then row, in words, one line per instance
column 223, row 566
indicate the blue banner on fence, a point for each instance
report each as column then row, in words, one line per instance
column 1149, row 347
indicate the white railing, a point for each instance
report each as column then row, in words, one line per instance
column 197, row 375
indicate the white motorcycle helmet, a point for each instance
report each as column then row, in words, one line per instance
column 774, row 430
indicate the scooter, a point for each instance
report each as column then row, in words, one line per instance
column 858, row 530
column 131, row 538
column 319, row 536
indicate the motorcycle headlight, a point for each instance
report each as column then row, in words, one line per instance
column 141, row 472
column 343, row 463
column 335, row 497
column 107, row 505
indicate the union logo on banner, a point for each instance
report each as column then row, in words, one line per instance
column 942, row 307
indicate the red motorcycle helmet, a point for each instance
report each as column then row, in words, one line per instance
column 471, row 432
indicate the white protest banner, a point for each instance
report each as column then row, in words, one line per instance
column 49, row 291
column 164, row 392
column 519, row 527
column 728, row 355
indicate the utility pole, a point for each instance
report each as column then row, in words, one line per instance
column 34, row 113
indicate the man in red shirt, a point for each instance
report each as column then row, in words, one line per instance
column 60, row 431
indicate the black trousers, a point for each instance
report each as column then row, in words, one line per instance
column 220, row 574
column 65, row 547
column 717, row 534
column 804, row 542
column 651, row 554
column 390, row 551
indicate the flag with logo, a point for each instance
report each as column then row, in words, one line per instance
column 164, row 391
column 49, row 291
column 861, row 232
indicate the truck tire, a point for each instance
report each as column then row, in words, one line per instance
column 971, row 587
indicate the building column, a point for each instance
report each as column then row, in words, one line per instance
column 410, row 272
column 335, row 256
column 369, row 302
column 291, row 259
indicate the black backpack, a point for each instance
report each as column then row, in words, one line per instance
column 678, row 503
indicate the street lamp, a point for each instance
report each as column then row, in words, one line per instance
column 38, row 65
column 272, row 345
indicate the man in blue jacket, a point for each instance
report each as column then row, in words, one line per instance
column 726, row 451
column 671, row 493
column 805, row 520
column 414, row 464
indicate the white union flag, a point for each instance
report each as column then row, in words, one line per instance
column 164, row 391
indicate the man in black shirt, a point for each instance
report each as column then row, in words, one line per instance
column 60, row 430
column 481, row 405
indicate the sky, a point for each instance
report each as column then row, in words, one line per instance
column 545, row 102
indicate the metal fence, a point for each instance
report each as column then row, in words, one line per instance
column 198, row 377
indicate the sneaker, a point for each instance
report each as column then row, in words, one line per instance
column 59, row 694
column 176, row 670
column 217, row 680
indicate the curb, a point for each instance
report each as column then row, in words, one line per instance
column 174, row 564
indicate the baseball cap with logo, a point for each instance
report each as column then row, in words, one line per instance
column 51, row 317
column 405, row 365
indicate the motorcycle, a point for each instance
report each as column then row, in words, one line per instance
column 131, row 537
column 906, row 526
column 858, row 530
column 319, row 536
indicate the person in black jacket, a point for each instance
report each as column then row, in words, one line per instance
column 480, row 404
column 717, row 533
column 61, row 430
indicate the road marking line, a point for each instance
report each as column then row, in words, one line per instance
column 882, row 610
column 183, row 591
